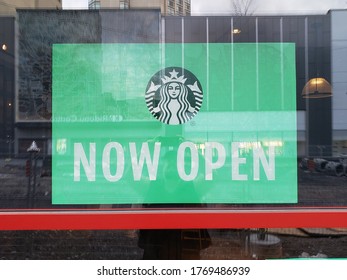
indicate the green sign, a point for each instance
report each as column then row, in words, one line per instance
column 174, row 123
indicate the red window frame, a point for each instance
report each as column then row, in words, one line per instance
column 172, row 219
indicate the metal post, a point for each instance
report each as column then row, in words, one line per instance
column 34, row 180
column 32, row 150
column 29, row 181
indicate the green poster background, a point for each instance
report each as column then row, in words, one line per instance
column 248, row 97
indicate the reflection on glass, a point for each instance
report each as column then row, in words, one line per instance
column 100, row 78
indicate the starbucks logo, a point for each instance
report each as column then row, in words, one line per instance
column 174, row 95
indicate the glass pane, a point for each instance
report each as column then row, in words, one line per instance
column 147, row 108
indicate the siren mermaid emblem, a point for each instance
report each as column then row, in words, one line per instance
column 174, row 95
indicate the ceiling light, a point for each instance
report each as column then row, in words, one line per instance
column 317, row 88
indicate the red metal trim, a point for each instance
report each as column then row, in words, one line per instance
column 86, row 220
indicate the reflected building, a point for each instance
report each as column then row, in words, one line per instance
column 38, row 31
column 9, row 7
column 320, row 46
column 339, row 81
column 167, row 7
column 7, row 85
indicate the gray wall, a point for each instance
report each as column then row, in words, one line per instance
column 339, row 79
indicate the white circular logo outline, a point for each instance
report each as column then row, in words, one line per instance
column 174, row 95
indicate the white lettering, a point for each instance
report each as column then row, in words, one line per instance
column 181, row 160
column 209, row 164
column 106, row 161
column 236, row 161
column 269, row 166
column 145, row 156
column 80, row 157
column 114, row 160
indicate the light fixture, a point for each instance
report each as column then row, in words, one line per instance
column 236, row 31
column 4, row 47
column 317, row 88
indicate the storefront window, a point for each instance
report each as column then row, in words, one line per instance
column 149, row 113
